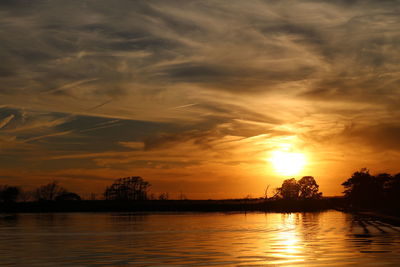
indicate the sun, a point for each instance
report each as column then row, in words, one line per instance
column 287, row 163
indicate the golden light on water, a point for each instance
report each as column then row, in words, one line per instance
column 288, row 163
column 288, row 244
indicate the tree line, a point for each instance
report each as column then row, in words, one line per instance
column 381, row 191
column 48, row 192
column 123, row 189
column 136, row 188
column 361, row 190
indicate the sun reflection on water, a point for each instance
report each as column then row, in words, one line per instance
column 287, row 243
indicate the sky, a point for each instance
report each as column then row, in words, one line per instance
column 197, row 96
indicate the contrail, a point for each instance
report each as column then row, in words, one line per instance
column 99, row 127
column 45, row 136
column 6, row 120
column 185, row 106
column 100, row 105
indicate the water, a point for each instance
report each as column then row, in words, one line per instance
column 102, row 239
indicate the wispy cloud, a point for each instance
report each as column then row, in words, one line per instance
column 69, row 85
column 161, row 81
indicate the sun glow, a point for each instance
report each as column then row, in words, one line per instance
column 287, row 163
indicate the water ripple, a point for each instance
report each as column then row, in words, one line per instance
column 207, row 239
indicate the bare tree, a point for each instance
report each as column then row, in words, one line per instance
column 163, row 196
column 266, row 192
column 129, row 188
column 49, row 192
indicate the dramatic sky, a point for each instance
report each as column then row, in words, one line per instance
column 195, row 96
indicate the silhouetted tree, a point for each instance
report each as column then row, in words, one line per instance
column 305, row 188
column 392, row 189
column 266, row 192
column 129, row 188
column 380, row 191
column 309, row 189
column 361, row 188
column 382, row 182
column 290, row 189
column 9, row 193
column 49, row 192
column 163, row 196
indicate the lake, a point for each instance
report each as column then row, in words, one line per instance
column 328, row 238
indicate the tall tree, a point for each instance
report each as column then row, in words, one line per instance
column 364, row 189
column 309, row 188
column 290, row 189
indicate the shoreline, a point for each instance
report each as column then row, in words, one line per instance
column 240, row 205
column 200, row 206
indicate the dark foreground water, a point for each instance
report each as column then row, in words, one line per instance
column 99, row 239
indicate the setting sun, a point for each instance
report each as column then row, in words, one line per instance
column 287, row 163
